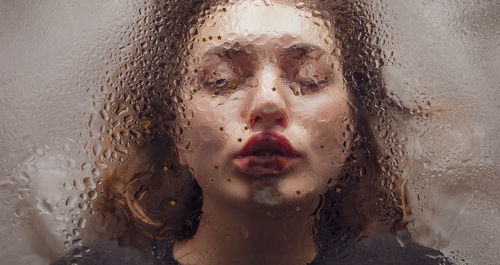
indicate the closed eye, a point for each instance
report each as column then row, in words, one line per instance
column 309, row 86
column 220, row 85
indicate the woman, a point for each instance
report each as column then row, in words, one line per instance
column 268, row 119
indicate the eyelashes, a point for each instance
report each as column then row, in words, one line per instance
column 309, row 86
column 220, row 85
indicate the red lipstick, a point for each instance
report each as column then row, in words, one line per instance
column 266, row 153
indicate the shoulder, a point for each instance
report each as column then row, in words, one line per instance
column 381, row 249
column 109, row 253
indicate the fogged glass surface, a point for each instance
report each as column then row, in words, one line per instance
column 249, row 132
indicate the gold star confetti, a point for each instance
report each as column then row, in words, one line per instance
column 191, row 151
column 227, row 238
column 233, row 85
column 204, row 40
column 245, row 128
column 316, row 58
column 283, row 161
column 349, row 31
column 268, row 213
column 224, row 9
column 221, row 128
column 165, row 169
column 321, row 146
column 214, row 73
column 216, row 167
column 326, row 78
column 211, row 179
column 195, row 71
column 267, row 154
column 194, row 90
column 228, row 180
column 296, row 93
column 298, row 192
column 297, row 208
column 145, row 124
column 210, row 37
column 278, row 195
column 172, row 203
column 147, row 131
column 174, row 90
column 274, row 89
column 219, row 37
column 188, row 222
column 338, row 190
column 372, row 26
column 239, row 140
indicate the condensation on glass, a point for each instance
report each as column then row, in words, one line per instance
column 117, row 118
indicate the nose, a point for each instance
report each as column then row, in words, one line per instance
column 268, row 107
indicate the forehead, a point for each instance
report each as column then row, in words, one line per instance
column 259, row 24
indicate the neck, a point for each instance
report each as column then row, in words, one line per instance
column 230, row 235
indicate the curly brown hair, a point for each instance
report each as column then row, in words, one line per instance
column 135, row 200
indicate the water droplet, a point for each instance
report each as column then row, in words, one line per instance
column 122, row 108
column 71, row 201
column 121, row 148
column 104, row 114
column 89, row 183
column 82, row 222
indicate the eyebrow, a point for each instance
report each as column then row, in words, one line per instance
column 307, row 48
column 224, row 51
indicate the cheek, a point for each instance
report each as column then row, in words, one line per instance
column 326, row 119
column 329, row 140
column 209, row 130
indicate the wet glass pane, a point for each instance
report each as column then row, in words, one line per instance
column 249, row 132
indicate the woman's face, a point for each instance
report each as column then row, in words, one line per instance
column 270, row 111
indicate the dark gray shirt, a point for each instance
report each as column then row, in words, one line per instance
column 377, row 250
